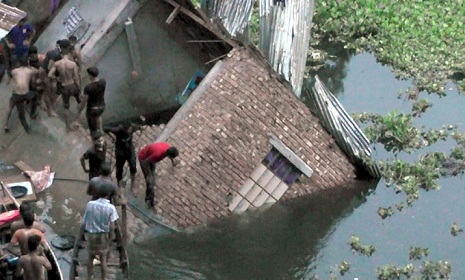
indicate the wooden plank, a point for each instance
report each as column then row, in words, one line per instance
column 173, row 14
column 133, row 46
column 8, row 193
column 4, row 198
column 200, row 21
column 23, row 166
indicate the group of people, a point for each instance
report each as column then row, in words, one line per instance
column 34, row 253
column 43, row 78
column 94, row 161
column 37, row 78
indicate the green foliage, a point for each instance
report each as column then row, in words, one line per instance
column 392, row 272
column 196, row 2
column 436, row 270
column 344, row 267
column 419, row 39
column 357, row 246
column 455, row 229
column 254, row 24
column 428, row 270
column 410, row 177
column 397, row 133
column 385, row 212
column 417, row 253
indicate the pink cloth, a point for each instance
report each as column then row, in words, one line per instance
column 40, row 178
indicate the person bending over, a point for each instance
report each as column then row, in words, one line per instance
column 148, row 157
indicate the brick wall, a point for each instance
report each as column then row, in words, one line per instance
column 225, row 135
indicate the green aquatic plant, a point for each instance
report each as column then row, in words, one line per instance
column 385, row 212
column 356, row 246
column 418, row 39
column 455, row 229
column 392, row 272
column 344, row 267
column 417, row 253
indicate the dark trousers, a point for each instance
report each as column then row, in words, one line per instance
column 19, row 101
column 121, row 158
column 148, row 169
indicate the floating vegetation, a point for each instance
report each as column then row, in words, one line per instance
column 385, row 212
column 417, row 253
column 344, row 267
column 357, row 246
column 418, row 39
column 455, row 229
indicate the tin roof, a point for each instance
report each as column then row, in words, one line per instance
column 9, row 17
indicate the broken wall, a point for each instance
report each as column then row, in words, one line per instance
column 168, row 63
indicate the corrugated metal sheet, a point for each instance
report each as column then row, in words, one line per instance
column 345, row 131
column 235, row 15
column 285, row 35
column 9, row 17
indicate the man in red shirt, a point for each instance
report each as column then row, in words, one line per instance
column 148, row 156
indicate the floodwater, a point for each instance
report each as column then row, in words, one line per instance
column 309, row 237
column 293, row 240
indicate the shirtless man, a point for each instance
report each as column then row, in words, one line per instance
column 50, row 84
column 21, row 94
column 69, row 79
column 75, row 51
column 22, row 235
column 32, row 265
column 18, row 224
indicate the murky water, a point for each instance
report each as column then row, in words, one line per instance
column 296, row 240
column 309, row 237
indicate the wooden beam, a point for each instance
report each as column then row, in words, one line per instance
column 133, row 46
column 205, row 41
column 173, row 14
column 200, row 21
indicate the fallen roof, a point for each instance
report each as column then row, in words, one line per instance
column 9, row 17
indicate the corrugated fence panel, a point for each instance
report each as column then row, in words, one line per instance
column 285, row 35
column 235, row 15
column 345, row 131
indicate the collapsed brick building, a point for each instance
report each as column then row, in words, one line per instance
column 245, row 141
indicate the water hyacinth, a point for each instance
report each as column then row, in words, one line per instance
column 419, row 39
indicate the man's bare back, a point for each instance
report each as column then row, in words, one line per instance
column 21, row 78
column 68, row 71
column 33, row 266
column 19, row 224
column 21, row 236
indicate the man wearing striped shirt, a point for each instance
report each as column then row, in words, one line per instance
column 99, row 222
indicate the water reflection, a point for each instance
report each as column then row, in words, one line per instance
column 275, row 243
column 334, row 71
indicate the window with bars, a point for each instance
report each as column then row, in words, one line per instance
column 271, row 179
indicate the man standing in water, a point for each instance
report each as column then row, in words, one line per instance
column 93, row 97
column 148, row 156
column 22, row 77
column 99, row 223
column 70, row 82
column 95, row 155
column 33, row 264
